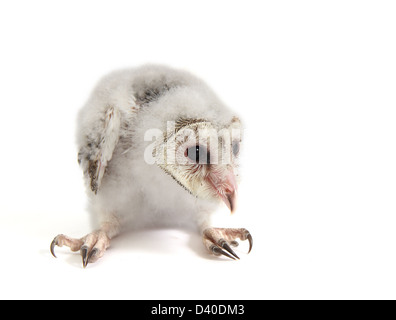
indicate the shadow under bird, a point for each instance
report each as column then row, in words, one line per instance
column 157, row 146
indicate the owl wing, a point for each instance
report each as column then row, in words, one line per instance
column 97, row 150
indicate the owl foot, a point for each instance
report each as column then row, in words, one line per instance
column 219, row 240
column 92, row 246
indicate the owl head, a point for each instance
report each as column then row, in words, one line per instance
column 203, row 157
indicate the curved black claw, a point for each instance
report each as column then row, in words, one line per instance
column 84, row 255
column 249, row 237
column 227, row 247
column 92, row 254
column 53, row 244
column 218, row 251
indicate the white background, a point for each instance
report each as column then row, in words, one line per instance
column 315, row 84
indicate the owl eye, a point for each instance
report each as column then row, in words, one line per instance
column 198, row 154
column 235, row 148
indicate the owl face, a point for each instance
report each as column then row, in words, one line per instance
column 203, row 158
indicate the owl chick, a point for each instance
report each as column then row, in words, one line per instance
column 157, row 146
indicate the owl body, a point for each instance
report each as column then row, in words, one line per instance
column 157, row 148
column 127, row 119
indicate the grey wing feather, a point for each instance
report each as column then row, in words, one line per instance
column 98, row 148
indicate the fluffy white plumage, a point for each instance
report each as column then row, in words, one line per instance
column 126, row 183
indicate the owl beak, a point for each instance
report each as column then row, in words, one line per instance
column 225, row 187
column 230, row 200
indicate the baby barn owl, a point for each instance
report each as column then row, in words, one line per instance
column 156, row 146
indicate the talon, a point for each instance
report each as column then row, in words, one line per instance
column 53, row 244
column 249, row 237
column 226, row 246
column 218, row 251
column 91, row 246
column 84, row 254
column 92, row 253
